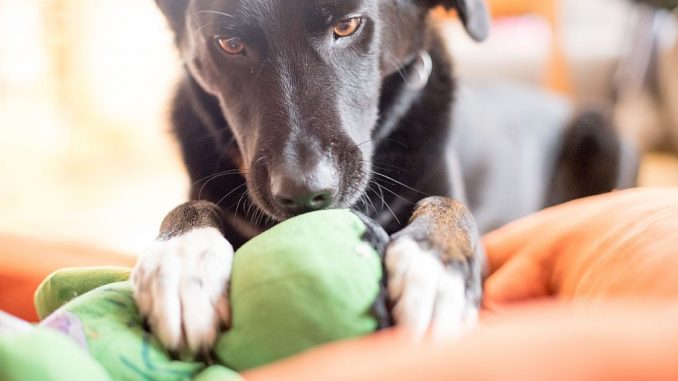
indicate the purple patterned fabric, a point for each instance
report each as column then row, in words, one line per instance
column 69, row 324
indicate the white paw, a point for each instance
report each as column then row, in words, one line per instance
column 181, row 287
column 428, row 298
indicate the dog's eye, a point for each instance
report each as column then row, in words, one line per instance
column 232, row 45
column 347, row 27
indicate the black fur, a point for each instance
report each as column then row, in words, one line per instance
column 377, row 237
column 298, row 98
column 590, row 157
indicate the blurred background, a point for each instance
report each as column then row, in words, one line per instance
column 85, row 149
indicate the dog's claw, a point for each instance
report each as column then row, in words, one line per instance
column 429, row 299
column 181, row 287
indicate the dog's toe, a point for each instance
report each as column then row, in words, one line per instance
column 453, row 313
column 412, row 278
column 429, row 299
column 181, row 287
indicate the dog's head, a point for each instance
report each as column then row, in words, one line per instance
column 299, row 83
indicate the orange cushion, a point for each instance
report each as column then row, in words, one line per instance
column 25, row 262
column 623, row 244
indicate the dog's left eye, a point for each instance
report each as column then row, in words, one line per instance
column 232, row 45
column 347, row 27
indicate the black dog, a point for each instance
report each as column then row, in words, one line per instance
column 298, row 105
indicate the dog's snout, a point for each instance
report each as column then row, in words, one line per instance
column 297, row 191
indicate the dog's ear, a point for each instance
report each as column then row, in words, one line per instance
column 473, row 13
column 175, row 11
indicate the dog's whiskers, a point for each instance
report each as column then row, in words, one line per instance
column 244, row 196
column 384, row 203
column 361, row 204
column 217, row 13
column 248, row 211
column 377, row 194
column 400, row 68
column 263, row 218
column 365, row 142
column 266, row 61
column 256, row 216
column 386, row 167
column 397, row 195
column 393, row 169
column 370, row 200
column 202, row 27
column 210, row 178
column 229, row 172
column 399, row 183
column 230, row 193
column 237, row 205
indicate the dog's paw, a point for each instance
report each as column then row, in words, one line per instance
column 181, row 288
column 428, row 298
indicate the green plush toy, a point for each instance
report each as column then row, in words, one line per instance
column 314, row 279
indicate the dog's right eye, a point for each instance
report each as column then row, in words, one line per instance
column 347, row 27
column 232, row 45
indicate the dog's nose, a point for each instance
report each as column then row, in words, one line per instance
column 297, row 193
column 303, row 202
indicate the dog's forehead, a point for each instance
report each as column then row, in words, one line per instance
column 281, row 10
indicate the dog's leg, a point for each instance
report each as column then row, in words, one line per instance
column 594, row 159
column 181, row 282
column 434, row 269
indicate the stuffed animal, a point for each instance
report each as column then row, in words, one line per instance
column 311, row 280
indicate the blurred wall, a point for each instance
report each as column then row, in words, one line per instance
column 592, row 34
column 85, row 151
